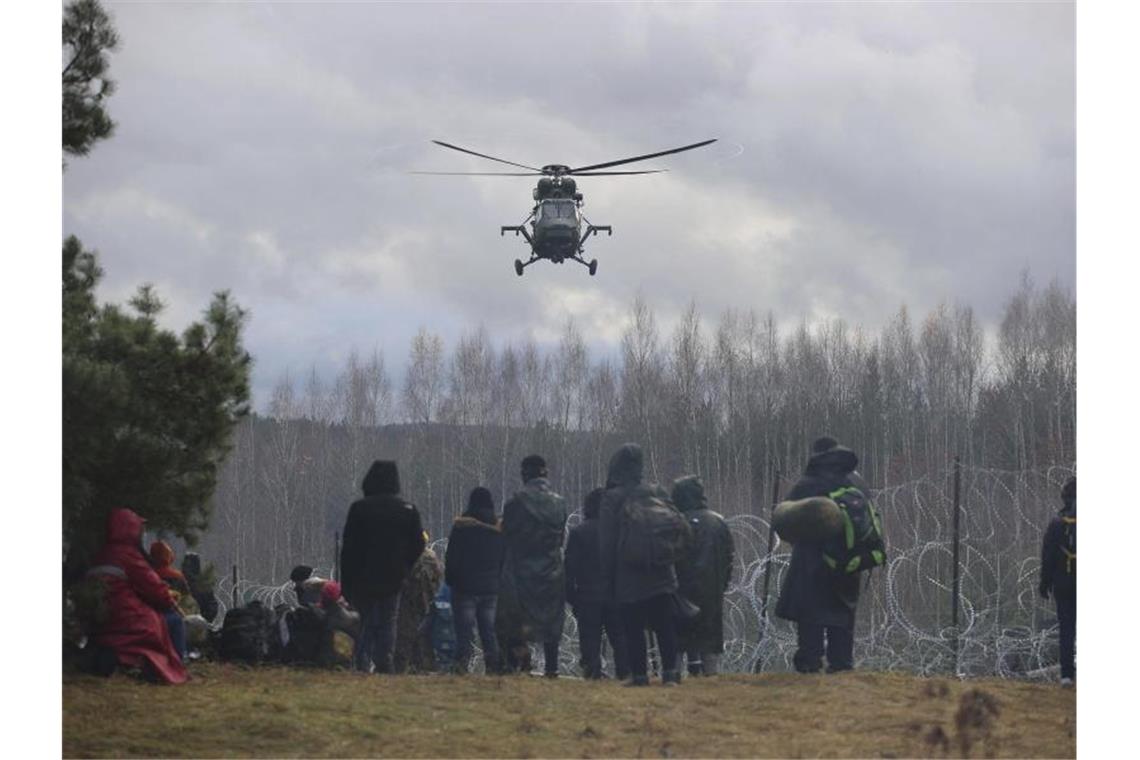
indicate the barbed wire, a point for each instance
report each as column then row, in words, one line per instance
column 904, row 619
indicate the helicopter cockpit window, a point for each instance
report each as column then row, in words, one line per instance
column 558, row 210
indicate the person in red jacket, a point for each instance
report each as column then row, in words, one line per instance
column 162, row 560
column 136, row 599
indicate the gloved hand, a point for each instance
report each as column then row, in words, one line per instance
column 1043, row 590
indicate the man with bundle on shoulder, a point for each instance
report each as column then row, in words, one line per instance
column 821, row 586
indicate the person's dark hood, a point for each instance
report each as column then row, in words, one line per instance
column 481, row 506
column 626, row 466
column 689, row 493
column 301, row 573
column 382, row 478
column 839, row 460
column 1069, row 496
column 191, row 565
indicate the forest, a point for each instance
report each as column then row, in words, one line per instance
column 736, row 401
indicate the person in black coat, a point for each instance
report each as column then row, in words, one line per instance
column 644, row 594
column 1059, row 576
column 383, row 538
column 474, row 561
column 586, row 593
column 820, row 602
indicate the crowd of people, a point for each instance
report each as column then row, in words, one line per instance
column 644, row 560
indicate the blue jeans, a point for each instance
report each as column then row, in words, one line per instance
column 468, row 610
column 377, row 635
column 177, row 628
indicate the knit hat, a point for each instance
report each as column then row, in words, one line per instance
column 533, row 466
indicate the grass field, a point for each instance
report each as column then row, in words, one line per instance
column 231, row 711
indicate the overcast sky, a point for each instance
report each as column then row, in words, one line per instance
column 869, row 155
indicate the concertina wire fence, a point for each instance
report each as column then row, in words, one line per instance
column 904, row 619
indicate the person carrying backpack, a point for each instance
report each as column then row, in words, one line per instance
column 474, row 561
column 642, row 536
column 703, row 576
column 820, row 591
column 383, row 538
column 532, row 585
column 587, row 594
column 1059, row 576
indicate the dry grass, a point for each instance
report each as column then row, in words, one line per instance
column 229, row 711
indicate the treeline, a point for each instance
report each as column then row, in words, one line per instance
column 736, row 400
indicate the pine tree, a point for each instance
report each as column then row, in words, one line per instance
column 147, row 414
column 88, row 36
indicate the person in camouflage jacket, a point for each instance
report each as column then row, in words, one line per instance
column 414, row 653
column 532, row 590
column 703, row 577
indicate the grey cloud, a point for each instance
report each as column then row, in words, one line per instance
column 869, row 155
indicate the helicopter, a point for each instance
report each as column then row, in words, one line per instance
column 556, row 221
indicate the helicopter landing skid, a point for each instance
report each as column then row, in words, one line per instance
column 591, row 265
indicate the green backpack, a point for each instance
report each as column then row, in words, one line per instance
column 860, row 546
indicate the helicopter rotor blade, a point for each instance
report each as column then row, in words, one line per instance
column 484, row 155
column 610, row 174
column 483, row 174
column 621, row 161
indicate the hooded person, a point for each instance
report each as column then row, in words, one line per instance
column 136, row 599
column 587, row 594
column 703, row 576
column 161, row 557
column 201, row 585
column 532, row 589
column 643, row 593
column 383, row 538
column 1059, row 576
column 474, row 561
column 820, row 602
column 413, row 651
column 162, row 560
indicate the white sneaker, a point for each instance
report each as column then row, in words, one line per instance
column 1066, row 683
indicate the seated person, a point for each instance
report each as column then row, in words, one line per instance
column 307, row 586
column 136, row 599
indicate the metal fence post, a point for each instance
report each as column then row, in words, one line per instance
column 956, row 586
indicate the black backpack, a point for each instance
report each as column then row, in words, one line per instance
column 653, row 533
column 307, row 631
column 248, row 633
column 860, row 546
